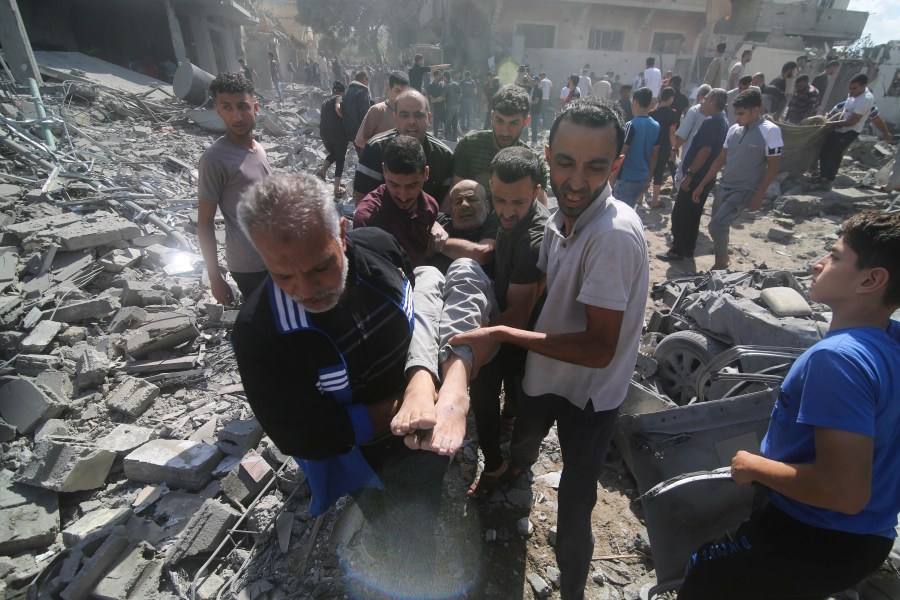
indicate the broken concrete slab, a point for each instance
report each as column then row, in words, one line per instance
column 32, row 365
column 40, row 337
column 52, row 428
column 125, row 575
column 132, row 396
column 178, row 463
column 7, row 431
column 96, row 566
column 126, row 318
column 66, row 467
column 101, row 231
column 57, row 383
column 162, row 333
column 125, row 438
column 142, row 293
column 24, row 405
column 26, row 228
column 92, row 522
column 204, row 532
column 90, row 369
column 29, row 517
column 248, row 479
column 81, row 310
column 780, row 235
column 117, row 261
column 239, row 437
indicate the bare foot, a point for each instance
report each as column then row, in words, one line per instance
column 417, row 411
column 453, row 403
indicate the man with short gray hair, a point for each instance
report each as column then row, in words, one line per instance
column 689, row 127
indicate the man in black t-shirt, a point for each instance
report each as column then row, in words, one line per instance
column 668, row 119
column 418, row 70
column 438, row 103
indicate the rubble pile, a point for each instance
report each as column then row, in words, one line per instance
column 131, row 465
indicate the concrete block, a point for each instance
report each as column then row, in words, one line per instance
column 117, row 261
column 56, row 383
column 780, row 235
column 785, row 302
column 66, row 467
column 52, row 428
column 125, row 438
column 163, row 333
column 90, row 369
column 31, row 365
column 11, row 308
column 204, row 532
column 132, row 396
column 29, row 517
column 82, row 310
column 158, row 254
column 126, row 318
column 142, row 293
column 71, row 335
column 26, row 228
column 94, row 521
column 40, row 337
column 125, row 575
column 99, row 232
column 239, row 437
column 24, row 405
column 245, row 482
column 209, row 587
column 178, row 463
column 9, row 266
column 7, row 431
column 93, row 569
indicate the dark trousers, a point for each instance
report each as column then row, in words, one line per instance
column 584, row 436
column 337, row 152
column 535, row 125
column 438, row 119
column 774, row 556
column 247, row 282
column 505, row 369
column 832, row 152
column 452, row 123
column 686, row 218
column 466, row 110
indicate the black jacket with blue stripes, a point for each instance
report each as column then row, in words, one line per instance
column 308, row 377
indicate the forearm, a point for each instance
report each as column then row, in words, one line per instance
column 579, row 348
column 206, row 236
column 713, row 170
column 477, row 251
column 806, row 483
column 701, row 157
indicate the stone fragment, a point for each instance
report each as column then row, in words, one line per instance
column 52, row 428
column 66, row 467
column 7, row 431
column 90, row 369
column 178, row 463
column 24, row 405
column 780, row 235
column 246, row 481
column 553, row 575
column 100, row 232
column 125, row 575
column 26, row 228
column 163, row 333
column 29, row 517
column 82, row 310
column 132, row 396
column 93, row 569
column 209, row 587
column 94, row 521
column 142, row 293
column 205, row 531
column 125, row 438
column 284, row 524
column 117, row 261
column 57, row 383
column 525, row 527
column 31, row 365
column 40, row 337
column 71, row 335
column 126, row 318
column 541, row 588
column 239, row 437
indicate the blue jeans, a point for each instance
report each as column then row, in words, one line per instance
column 629, row 191
column 466, row 108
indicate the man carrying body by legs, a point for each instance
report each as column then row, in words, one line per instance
column 846, row 129
column 751, row 154
column 828, row 463
column 582, row 351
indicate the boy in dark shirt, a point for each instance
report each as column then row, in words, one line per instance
column 668, row 119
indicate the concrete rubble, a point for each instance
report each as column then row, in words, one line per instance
column 129, row 453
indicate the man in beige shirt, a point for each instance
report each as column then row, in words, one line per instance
column 380, row 117
column 716, row 68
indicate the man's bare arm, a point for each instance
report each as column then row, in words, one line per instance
column 839, row 479
column 481, row 251
column 206, row 236
column 520, row 301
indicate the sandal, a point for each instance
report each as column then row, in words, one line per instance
column 483, row 487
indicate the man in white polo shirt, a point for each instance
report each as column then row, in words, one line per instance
column 846, row 129
column 581, row 353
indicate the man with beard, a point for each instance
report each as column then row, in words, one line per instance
column 581, row 352
column 510, row 108
column 228, row 167
column 411, row 114
column 471, row 228
column 332, row 364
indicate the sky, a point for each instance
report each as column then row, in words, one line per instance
column 884, row 19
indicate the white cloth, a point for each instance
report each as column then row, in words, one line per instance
column 653, row 80
column 584, row 86
column 736, row 69
column 602, row 263
column 546, row 86
column 860, row 105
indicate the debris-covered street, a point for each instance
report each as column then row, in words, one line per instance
column 131, row 463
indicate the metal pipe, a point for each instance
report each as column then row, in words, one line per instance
column 42, row 114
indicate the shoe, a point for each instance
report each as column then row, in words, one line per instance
column 484, row 487
column 670, row 255
column 719, row 267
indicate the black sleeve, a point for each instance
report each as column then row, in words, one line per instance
column 368, row 170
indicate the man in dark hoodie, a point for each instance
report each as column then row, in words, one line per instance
column 356, row 104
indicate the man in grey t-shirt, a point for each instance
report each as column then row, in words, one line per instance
column 227, row 168
column 581, row 353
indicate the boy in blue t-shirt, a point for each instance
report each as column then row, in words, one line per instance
column 639, row 151
column 829, row 458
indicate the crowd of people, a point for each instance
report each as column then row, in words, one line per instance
column 362, row 346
